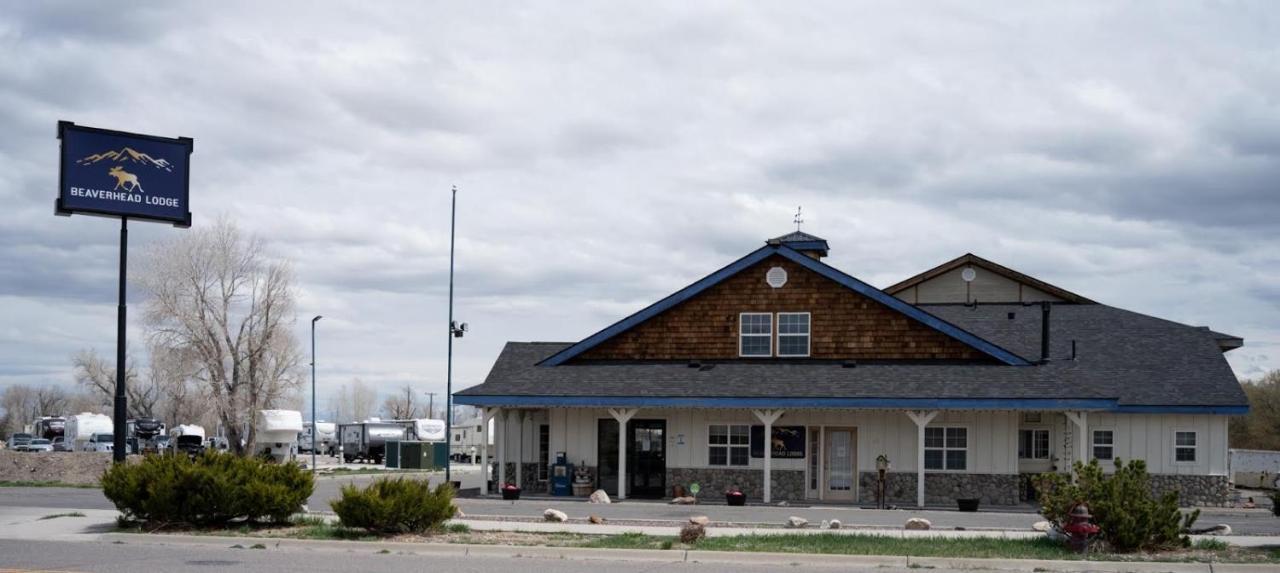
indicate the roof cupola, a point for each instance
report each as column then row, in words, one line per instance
column 810, row 245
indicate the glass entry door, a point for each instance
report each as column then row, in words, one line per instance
column 841, row 451
column 646, row 457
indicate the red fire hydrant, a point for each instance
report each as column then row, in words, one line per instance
column 1079, row 529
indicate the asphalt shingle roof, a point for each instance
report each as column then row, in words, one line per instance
column 1133, row 358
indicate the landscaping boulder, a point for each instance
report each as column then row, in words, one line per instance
column 700, row 520
column 918, row 523
column 600, row 496
column 795, row 522
column 685, row 500
column 1219, row 529
column 1041, row 526
column 835, row 524
column 596, row 519
column 555, row 515
column 692, row 533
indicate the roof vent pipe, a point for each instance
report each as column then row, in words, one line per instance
column 1045, row 307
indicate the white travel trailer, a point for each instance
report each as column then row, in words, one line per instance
column 423, row 429
column 325, row 438
column 79, row 428
column 187, row 438
column 277, row 435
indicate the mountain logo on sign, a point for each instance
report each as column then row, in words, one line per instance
column 127, row 155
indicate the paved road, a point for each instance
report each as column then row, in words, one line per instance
column 125, row 558
column 1253, row 522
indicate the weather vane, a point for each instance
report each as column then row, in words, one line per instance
column 797, row 219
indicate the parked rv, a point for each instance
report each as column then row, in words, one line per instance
column 367, row 441
column 277, row 436
column 187, row 438
column 141, row 434
column 423, row 429
column 325, row 438
column 83, row 426
column 50, row 427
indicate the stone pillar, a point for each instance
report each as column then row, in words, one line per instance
column 622, row 416
column 921, row 419
column 1085, row 442
column 768, row 417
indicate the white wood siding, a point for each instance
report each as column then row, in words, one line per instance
column 987, row 286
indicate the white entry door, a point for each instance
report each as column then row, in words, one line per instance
column 838, row 464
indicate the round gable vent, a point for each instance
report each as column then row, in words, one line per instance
column 776, row 277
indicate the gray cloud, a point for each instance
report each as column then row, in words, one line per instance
column 609, row 155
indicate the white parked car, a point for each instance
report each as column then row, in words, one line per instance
column 39, row 445
column 100, row 443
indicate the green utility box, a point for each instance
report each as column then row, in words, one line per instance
column 393, row 454
column 421, row 455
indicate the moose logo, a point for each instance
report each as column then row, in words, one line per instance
column 124, row 179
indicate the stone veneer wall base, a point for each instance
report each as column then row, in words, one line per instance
column 788, row 485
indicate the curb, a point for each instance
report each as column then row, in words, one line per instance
column 692, row 555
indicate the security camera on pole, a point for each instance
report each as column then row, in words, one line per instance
column 455, row 331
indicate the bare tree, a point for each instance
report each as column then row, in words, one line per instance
column 23, row 404
column 99, row 377
column 400, row 407
column 362, row 400
column 215, row 294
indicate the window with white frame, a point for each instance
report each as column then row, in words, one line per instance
column 755, row 334
column 793, row 334
column 1033, row 444
column 1184, row 446
column 1104, row 445
column 946, row 448
column 729, row 445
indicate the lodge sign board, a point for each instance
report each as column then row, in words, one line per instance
column 787, row 442
column 119, row 174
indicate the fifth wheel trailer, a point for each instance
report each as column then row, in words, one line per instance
column 367, row 441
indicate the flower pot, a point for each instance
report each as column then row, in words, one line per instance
column 967, row 504
column 735, row 498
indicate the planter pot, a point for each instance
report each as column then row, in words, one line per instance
column 738, row 499
column 510, row 494
column 969, row 504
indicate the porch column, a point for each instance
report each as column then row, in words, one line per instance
column 1081, row 420
column 921, row 419
column 768, row 417
column 521, row 415
column 500, row 426
column 622, row 416
column 486, row 414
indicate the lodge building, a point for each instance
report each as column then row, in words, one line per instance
column 966, row 379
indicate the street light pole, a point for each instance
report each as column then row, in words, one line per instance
column 448, row 391
column 315, row 429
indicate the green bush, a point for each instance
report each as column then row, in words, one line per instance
column 1129, row 517
column 396, row 506
column 211, row 489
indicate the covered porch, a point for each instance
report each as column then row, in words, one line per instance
column 815, row 454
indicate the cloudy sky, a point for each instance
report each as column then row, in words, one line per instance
column 607, row 155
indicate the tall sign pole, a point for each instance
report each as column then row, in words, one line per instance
column 315, row 429
column 123, row 175
column 121, row 409
column 448, row 391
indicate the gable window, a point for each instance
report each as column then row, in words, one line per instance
column 755, row 334
column 1104, row 445
column 729, row 445
column 946, row 448
column 793, row 334
column 1033, row 444
column 1184, row 446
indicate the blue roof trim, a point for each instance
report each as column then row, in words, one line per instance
column 650, row 311
column 786, row 250
column 1106, row 405
column 1227, row 410
column 871, row 403
column 899, row 305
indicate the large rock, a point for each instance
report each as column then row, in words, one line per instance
column 600, row 496
column 692, row 533
column 835, row 524
column 918, row 523
column 1041, row 526
column 1219, row 529
column 596, row 519
column 795, row 522
column 700, row 519
column 686, row 500
column 555, row 515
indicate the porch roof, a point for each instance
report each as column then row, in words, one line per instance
column 1124, row 362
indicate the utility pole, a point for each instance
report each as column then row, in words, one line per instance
column 431, row 404
column 314, row 429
